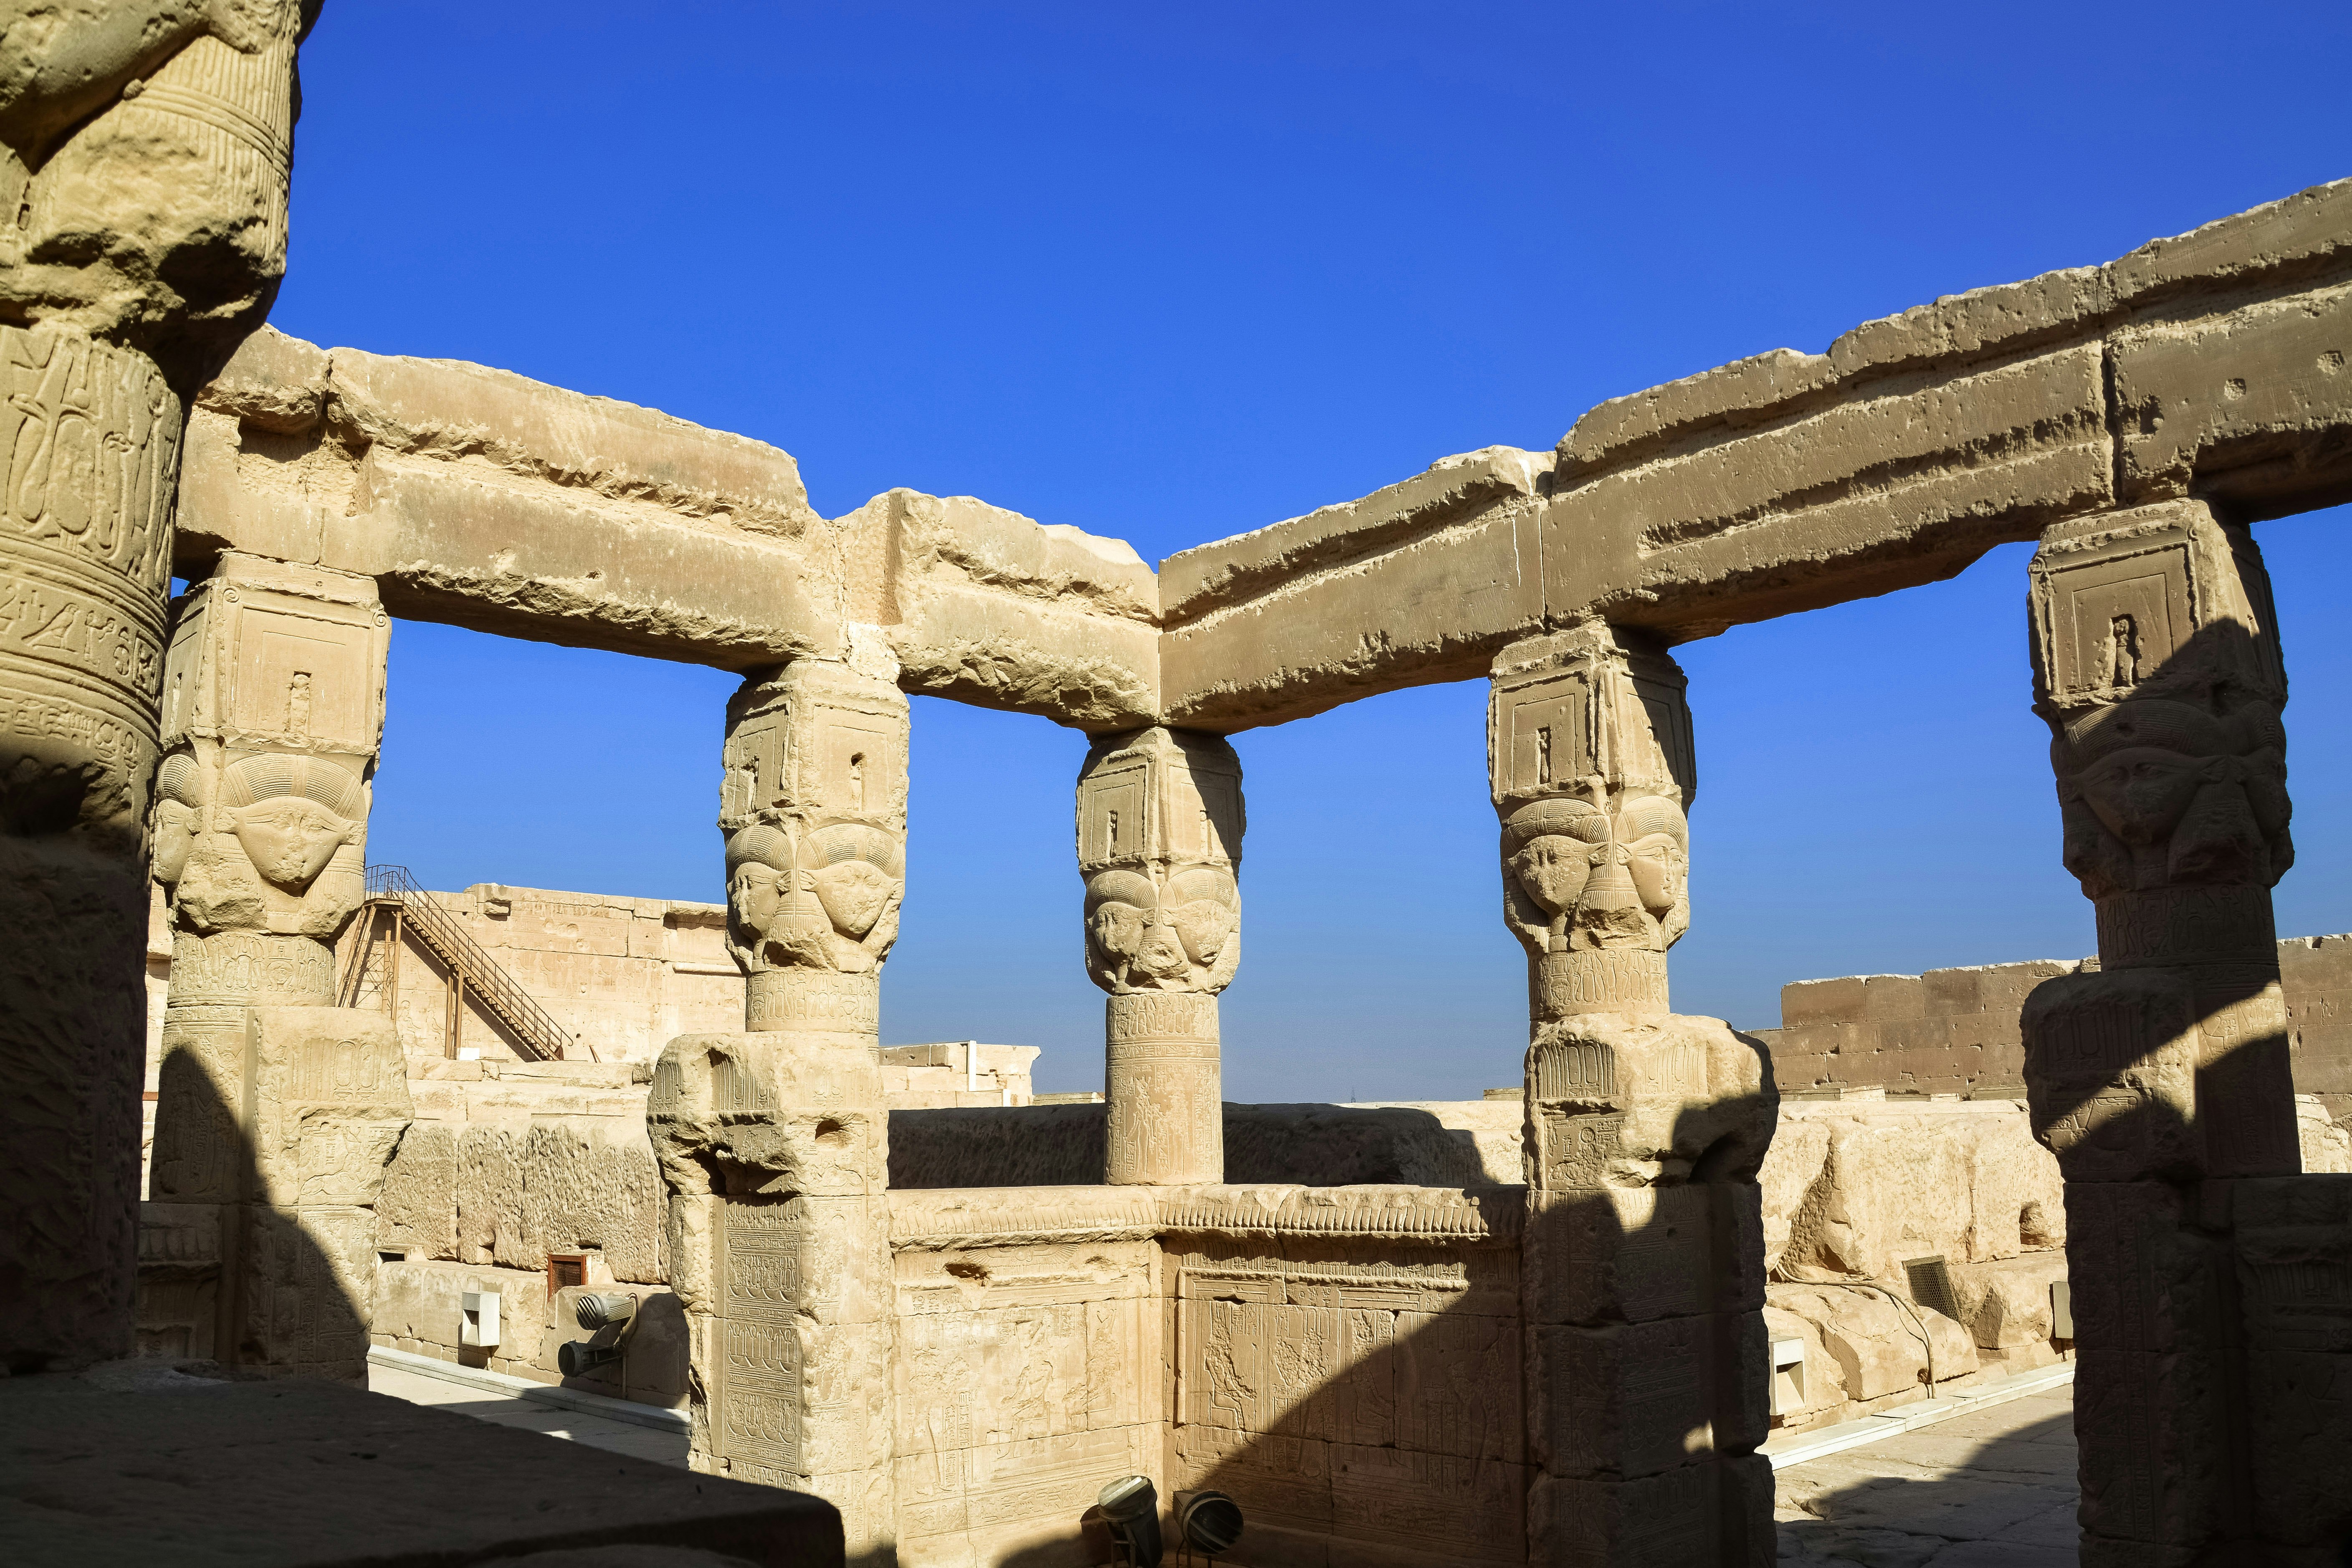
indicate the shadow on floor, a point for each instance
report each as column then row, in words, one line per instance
column 1940, row 1497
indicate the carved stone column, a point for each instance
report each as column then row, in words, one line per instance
column 2162, row 1080
column 143, row 159
column 1642, row 1271
column 1159, row 846
column 273, row 712
column 775, row 1143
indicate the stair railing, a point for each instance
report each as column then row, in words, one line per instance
column 533, row 1027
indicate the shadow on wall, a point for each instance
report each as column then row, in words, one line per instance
column 2206, row 1270
column 227, row 1275
column 1366, row 1399
column 1063, row 1145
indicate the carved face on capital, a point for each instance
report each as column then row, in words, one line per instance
column 179, row 815
column 289, row 840
column 2157, row 792
column 829, row 902
column 1143, row 935
column 290, row 815
column 1608, row 875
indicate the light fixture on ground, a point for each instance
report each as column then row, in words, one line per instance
column 1209, row 1521
column 610, row 1317
column 1133, row 1508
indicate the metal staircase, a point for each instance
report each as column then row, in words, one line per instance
column 396, row 904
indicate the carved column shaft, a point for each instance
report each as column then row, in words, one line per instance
column 775, row 1143
column 1159, row 846
column 1641, row 1267
column 276, row 1110
column 144, row 168
column 2162, row 1080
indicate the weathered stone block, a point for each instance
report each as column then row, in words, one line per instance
column 1878, row 1347
column 1836, row 1001
column 1716, row 1510
column 2146, row 1277
column 2154, row 1433
column 329, row 1101
column 1638, row 1399
column 2006, row 1303
column 1621, row 1254
column 1619, row 1101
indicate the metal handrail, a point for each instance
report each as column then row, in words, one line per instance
column 534, row 1029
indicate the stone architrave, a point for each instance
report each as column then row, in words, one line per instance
column 144, row 153
column 1159, row 845
column 2161, row 1080
column 774, row 1143
column 1642, row 1264
column 272, row 716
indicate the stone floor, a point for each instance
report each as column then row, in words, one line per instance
column 1992, row 1489
column 618, row 1436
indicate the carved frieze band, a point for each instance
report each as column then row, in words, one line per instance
column 949, row 1217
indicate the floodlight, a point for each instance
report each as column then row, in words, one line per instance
column 610, row 1317
column 1209, row 1521
column 1133, row 1507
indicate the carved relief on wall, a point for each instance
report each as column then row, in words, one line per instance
column 1159, row 842
column 2157, row 666
column 1356, row 1399
column 814, row 806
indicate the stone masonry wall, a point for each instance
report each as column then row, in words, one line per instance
column 1955, row 1031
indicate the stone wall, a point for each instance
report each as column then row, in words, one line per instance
column 957, row 1073
column 1955, row 1031
column 624, row 975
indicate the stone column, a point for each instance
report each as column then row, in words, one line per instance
column 276, row 1110
column 139, row 241
column 775, row 1143
column 2161, row 1081
column 1159, row 846
column 1642, row 1271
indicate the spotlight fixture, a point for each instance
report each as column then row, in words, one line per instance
column 610, row 1318
column 1133, row 1508
column 1209, row 1521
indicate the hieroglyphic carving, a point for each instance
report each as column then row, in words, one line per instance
column 1588, row 744
column 1353, row 1400
column 277, row 1123
column 1159, row 846
column 136, row 249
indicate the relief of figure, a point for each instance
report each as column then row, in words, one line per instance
column 252, row 851
column 1176, row 935
column 1587, row 872
column 828, row 901
column 2155, row 793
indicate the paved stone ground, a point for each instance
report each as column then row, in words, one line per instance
column 594, row 1431
column 1992, row 1489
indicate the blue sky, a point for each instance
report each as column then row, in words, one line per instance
column 1173, row 273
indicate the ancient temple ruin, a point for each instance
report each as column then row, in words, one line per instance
column 1573, row 1359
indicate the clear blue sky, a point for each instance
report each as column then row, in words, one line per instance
column 1170, row 273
